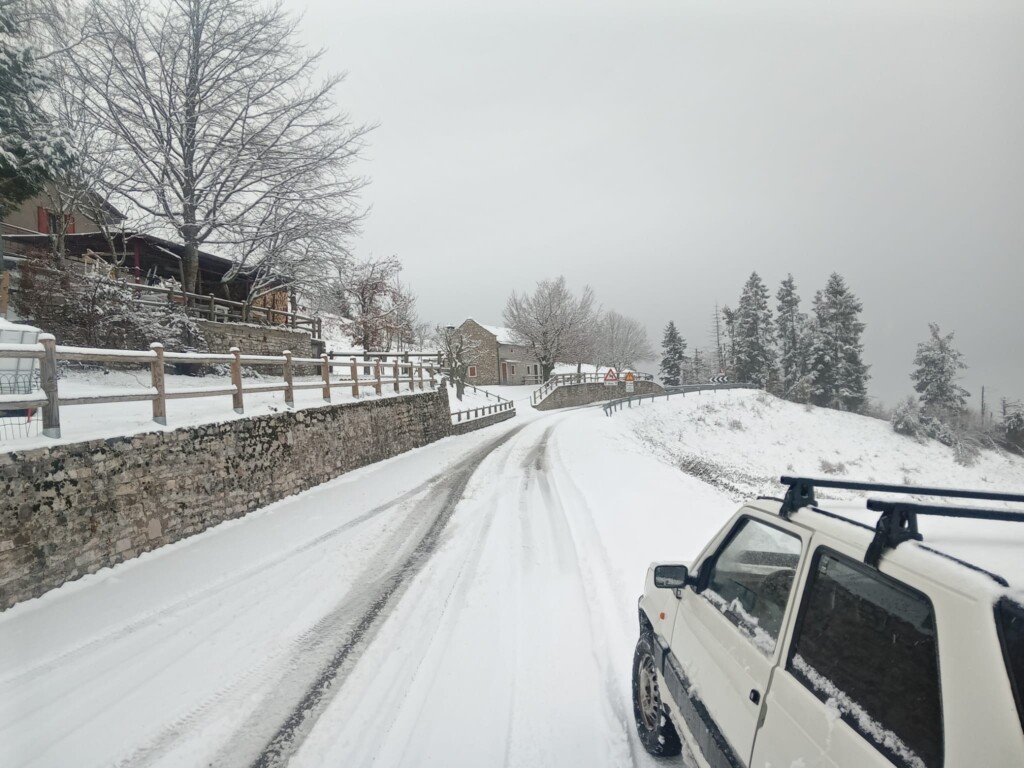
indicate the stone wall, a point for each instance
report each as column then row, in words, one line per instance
column 485, row 356
column 72, row 509
column 258, row 339
column 572, row 395
column 465, row 427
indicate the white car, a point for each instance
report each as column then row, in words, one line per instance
column 804, row 637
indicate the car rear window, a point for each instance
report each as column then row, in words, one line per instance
column 866, row 646
column 1010, row 619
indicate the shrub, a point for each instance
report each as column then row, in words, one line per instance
column 94, row 311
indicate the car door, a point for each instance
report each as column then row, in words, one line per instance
column 725, row 638
column 859, row 683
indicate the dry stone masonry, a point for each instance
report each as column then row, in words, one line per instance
column 73, row 509
column 572, row 395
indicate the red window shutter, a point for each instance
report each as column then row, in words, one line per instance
column 41, row 220
column 71, row 225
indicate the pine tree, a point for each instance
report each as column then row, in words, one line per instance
column 754, row 341
column 31, row 148
column 696, row 368
column 791, row 330
column 938, row 366
column 673, row 356
column 837, row 374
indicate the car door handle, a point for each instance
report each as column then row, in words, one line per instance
column 755, row 696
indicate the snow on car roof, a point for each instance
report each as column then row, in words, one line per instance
column 993, row 545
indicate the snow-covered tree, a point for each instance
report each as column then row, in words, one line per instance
column 726, row 331
column 457, row 352
column 554, row 324
column 938, row 365
column 791, row 330
column 838, row 375
column 377, row 302
column 220, row 113
column 623, row 342
column 754, row 336
column 32, row 147
column 673, row 356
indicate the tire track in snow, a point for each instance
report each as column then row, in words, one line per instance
column 307, row 710
column 212, row 590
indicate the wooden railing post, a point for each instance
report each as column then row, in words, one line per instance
column 355, row 378
column 5, row 292
column 236, row 380
column 421, row 376
column 325, row 373
column 398, row 371
column 212, row 311
column 412, row 375
column 376, row 375
column 157, row 379
column 289, row 392
column 48, row 376
column 430, row 371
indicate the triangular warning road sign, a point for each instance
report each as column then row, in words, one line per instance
column 611, row 375
column 630, row 376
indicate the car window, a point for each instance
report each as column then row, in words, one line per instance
column 1010, row 618
column 866, row 646
column 751, row 578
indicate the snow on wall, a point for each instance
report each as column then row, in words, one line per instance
column 72, row 509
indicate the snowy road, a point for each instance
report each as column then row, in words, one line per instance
column 468, row 603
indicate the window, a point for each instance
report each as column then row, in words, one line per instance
column 751, row 578
column 471, row 373
column 512, row 370
column 1010, row 618
column 867, row 644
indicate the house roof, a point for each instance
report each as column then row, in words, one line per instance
column 503, row 335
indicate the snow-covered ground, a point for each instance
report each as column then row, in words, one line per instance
column 88, row 422
column 470, row 603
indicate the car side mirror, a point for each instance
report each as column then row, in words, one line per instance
column 671, row 576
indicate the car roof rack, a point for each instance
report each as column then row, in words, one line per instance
column 898, row 521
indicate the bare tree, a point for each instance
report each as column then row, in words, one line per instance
column 457, row 350
column 223, row 122
column 377, row 302
column 552, row 322
column 623, row 341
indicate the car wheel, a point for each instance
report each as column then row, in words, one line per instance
column 656, row 731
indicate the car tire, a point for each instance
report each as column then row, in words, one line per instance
column 653, row 725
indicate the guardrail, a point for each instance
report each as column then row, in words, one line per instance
column 48, row 353
column 614, row 405
column 565, row 379
column 480, row 412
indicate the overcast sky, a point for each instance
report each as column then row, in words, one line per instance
column 660, row 151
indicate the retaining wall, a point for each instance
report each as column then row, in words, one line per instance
column 72, row 509
column 258, row 339
column 573, row 395
column 465, row 427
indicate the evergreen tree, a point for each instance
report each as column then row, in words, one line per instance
column 727, row 331
column 31, row 148
column 673, row 356
column 696, row 373
column 938, row 366
column 754, row 335
column 791, row 330
column 837, row 375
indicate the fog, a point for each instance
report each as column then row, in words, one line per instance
column 661, row 151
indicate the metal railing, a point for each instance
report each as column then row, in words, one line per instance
column 566, row 379
column 48, row 353
column 627, row 402
column 471, row 414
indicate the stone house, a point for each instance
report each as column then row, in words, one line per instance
column 498, row 358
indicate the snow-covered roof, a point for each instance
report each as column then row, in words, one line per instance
column 502, row 334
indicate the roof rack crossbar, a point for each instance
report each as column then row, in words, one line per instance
column 898, row 522
column 801, row 491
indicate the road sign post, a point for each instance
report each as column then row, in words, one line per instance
column 630, row 378
column 611, row 378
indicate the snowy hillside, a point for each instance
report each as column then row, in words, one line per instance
column 741, row 441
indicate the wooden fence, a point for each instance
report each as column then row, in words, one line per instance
column 48, row 353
